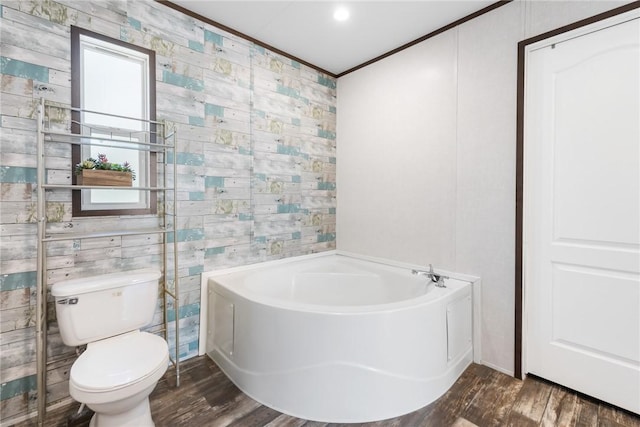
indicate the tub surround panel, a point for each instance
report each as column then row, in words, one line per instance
column 256, row 165
column 397, row 143
column 486, row 168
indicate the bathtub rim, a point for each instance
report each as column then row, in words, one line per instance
column 244, row 288
column 475, row 281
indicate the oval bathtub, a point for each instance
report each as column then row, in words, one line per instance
column 339, row 339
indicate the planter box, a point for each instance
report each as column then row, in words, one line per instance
column 105, row 178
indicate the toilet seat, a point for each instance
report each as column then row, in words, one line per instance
column 124, row 361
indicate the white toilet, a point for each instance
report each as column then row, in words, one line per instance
column 121, row 365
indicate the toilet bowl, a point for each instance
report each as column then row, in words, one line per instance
column 121, row 365
column 115, row 376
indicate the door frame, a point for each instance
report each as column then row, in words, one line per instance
column 523, row 48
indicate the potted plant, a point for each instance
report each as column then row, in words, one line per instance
column 102, row 172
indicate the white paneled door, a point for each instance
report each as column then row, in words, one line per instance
column 582, row 210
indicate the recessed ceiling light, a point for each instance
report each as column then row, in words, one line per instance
column 341, row 14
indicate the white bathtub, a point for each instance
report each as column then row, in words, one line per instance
column 338, row 339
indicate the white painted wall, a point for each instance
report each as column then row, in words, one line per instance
column 426, row 155
column 396, row 164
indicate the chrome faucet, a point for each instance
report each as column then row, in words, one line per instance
column 435, row 278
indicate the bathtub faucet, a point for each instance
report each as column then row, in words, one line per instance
column 435, row 278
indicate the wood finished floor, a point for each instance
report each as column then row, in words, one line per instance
column 480, row 397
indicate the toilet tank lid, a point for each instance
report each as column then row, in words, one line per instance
column 105, row 281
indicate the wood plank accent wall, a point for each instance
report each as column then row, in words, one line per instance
column 256, row 166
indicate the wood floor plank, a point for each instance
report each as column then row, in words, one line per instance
column 415, row 418
column 481, row 371
column 587, row 413
column 562, row 408
column 186, row 416
column 530, row 403
column 260, row 416
column 461, row 422
column 491, row 405
column 286, row 421
column 610, row 423
column 447, row 409
column 221, row 393
column 392, row 422
column 176, row 404
column 611, row 416
column 237, row 408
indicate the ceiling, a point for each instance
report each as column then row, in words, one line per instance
column 307, row 30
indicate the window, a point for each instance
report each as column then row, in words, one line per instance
column 117, row 79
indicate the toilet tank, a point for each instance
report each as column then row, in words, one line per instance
column 98, row 307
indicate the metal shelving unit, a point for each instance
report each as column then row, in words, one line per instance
column 165, row 143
